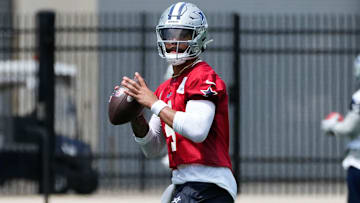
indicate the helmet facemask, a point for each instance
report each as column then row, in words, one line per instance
column 177, row 44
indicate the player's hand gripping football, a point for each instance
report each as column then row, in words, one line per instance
column 139, row 91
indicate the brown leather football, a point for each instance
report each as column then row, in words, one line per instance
column 122, row 107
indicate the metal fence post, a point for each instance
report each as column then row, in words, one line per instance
column 236, row 99
column 45, row 107
column 143, row 68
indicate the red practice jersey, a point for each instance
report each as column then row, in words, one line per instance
column 197, row 83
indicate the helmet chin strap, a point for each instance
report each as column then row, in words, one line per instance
column 176, row 60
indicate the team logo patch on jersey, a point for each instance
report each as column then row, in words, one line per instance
column 209, row 92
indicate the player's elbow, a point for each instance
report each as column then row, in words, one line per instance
column 343, row 131
column 193, row 126
column 152, row 151
column 151, row 155
column 198, row 138
column 196, row 134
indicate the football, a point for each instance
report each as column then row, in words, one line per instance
column 122, row 107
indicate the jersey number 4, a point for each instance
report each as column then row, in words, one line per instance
column 171, row 133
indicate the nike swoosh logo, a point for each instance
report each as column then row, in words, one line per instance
column 209, row 82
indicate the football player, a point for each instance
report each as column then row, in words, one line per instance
column 350, row 128
column 190, row 112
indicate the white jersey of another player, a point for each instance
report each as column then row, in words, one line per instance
column 350, row 126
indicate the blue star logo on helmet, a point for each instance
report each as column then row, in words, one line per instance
column 202, row 16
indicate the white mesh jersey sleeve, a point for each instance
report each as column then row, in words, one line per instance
column 351, row 124
column 199, row 113
column 153, row 144
column 196, row 121
column 349, row 127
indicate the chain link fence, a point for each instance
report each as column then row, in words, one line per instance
column 284, row 73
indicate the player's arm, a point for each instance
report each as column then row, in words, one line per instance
column 194, row 123
column 351, row 123
column 348, row 126
column 149, row 135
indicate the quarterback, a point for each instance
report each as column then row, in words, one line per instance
column 190, row 112
column 349, row 128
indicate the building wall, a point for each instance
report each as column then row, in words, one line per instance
column 26, row 6
column 5, row 6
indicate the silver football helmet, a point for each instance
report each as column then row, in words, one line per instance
column 181, row 33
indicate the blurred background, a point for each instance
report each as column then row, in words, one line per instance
column 287, row 64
